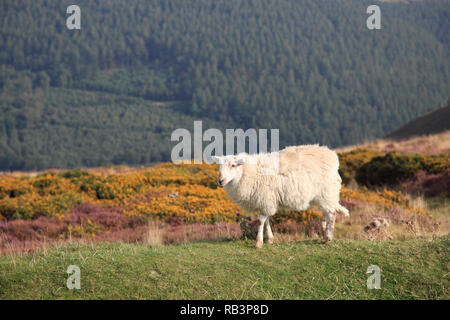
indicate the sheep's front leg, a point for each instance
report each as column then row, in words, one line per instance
column 260, row 236
column 269, row 233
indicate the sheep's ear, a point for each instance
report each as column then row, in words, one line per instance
column 240, row 161
column 217, row 159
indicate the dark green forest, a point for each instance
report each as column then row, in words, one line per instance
column 113, row 92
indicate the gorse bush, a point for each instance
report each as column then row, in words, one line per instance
column 74, row 173
column 187, row 192
column 350, row 162
column 394, row 167
column 165, row 190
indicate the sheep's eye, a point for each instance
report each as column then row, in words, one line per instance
column 233, row 165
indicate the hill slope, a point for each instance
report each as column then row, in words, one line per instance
column 435, row 121
column 310, row 68
column 426, row 144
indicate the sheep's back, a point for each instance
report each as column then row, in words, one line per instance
column 316, row 161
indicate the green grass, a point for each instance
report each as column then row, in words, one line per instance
column 231, row 270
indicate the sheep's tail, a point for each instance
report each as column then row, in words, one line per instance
column 343, row 210
column 340, row 208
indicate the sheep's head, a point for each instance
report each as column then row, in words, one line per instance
column 230, row 168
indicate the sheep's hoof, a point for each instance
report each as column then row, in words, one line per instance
column 258, row 244
column 270, row 240
column 326, row 240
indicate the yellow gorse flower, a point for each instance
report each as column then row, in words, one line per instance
column 189, row 191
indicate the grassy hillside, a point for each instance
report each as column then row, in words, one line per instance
column 168, row 232
column 231, row 270
column 113, row 91
column 435, row 121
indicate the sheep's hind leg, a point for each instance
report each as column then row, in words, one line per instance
column 269, row 233
column 330, row 218
column 260, row 236
column 324, row 225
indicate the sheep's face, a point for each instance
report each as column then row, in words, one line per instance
column 230, row 169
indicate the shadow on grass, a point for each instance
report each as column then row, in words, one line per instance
column 249, row 243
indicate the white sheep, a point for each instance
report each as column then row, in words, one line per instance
column 291, row 179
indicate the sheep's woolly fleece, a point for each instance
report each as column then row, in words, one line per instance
column 291, row 179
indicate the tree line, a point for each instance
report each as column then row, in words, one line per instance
column 309, row 68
